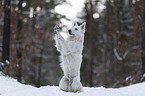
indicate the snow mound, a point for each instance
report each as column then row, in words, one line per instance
column 10, row 87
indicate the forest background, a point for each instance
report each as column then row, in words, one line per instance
column 114, row 48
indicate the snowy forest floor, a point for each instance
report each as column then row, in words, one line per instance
column 10, row 87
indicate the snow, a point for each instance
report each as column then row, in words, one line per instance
column 10, row 87
column 117, row 55
column 7, row 62
column 70, row 10
column 2, row 64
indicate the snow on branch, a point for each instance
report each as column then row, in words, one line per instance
column 117, row 55
column 125, row 54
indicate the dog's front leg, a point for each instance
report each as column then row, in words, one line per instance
column 58, row 45
column 60, row 42
column 63, row 44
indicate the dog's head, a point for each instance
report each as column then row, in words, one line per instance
column 77, row 30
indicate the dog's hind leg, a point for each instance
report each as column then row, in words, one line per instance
column 76, row 85
column 64, row 84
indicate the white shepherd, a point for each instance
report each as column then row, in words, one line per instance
column 71, row 57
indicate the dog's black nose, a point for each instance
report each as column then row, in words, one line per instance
column 69, row 31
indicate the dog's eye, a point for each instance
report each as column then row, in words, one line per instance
column 76, row 29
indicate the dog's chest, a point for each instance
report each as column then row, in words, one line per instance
column 75, row 45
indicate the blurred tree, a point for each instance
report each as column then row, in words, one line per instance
column 91, row 31
column 32, row 51
column 111, row 56
column 1, row 29
column 6, row 33
column 143, row 38
column 43, row 57
column 114, row 43
column 19, row 39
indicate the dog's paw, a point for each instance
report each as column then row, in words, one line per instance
column 56, row 29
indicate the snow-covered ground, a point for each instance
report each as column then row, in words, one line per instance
column 10, row 87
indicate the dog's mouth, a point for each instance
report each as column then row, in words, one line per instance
column 71, row 34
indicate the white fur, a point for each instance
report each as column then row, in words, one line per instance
column 71, row 58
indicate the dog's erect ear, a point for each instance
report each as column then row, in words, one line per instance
column 83, row 26
column 75, row 24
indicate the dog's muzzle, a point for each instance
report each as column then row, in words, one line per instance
column 70, row 33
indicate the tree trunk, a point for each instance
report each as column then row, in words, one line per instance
column 143, row 39
column 19, row 37
column 6, row 32
column 117, row 24
column 38, row 66
column 106, row 41
column 38, row 84
column 91, row 41
column 111, row 45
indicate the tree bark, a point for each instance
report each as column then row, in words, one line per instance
column 38, row 66
column 91, row 41
column 143, row 39
column 6, row 32
column 117, row 23
column 19, row 37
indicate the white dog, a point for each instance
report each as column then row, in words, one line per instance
column 71, row 57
